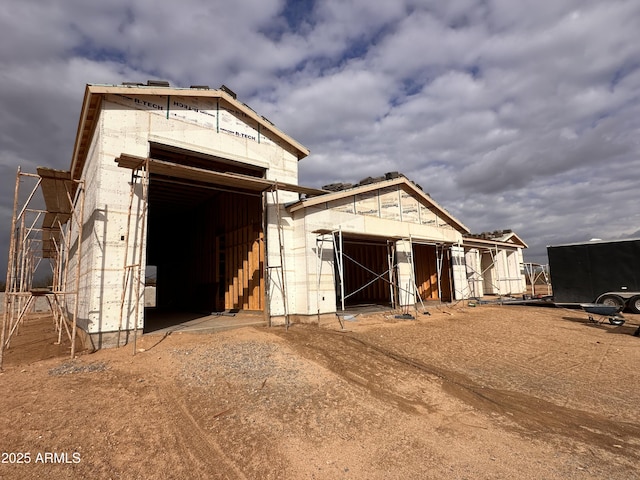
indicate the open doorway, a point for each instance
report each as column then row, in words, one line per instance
column 369, row 273
column 205, row 241
column 431, row 262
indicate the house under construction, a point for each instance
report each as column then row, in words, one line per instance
column 187, row 200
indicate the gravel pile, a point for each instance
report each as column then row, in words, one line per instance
column 262, row 389
column 251, row 363
column 72, row 367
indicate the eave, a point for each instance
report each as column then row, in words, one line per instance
column 486, row 243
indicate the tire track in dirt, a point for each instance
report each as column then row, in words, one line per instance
column 359, row 365
column 197, row 443
column 354, row 359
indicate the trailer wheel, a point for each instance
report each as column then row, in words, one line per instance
column 634, row 304
column 612, row 301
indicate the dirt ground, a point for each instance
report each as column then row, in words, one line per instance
column 486, row 392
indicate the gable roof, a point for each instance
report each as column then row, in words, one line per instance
column 402, row 180
column 499, row 237
column 513, row 237
column 94, row 95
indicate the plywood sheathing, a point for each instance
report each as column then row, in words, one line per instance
column 243, row 273
column 426, row 273
column 58, row 191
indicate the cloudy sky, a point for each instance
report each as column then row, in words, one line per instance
column 512, row 114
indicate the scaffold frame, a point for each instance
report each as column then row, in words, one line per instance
column 29, row 245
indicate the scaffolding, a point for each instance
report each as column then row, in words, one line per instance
column 536, row 272
column 497, row 280
column 475, row 275
column 440, row 254
column 280, row 269
column 132, row 265
column 399, row 295
column 275, row 274
column 389, row 275
column 37, row 235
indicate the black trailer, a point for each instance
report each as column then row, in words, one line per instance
column 606, row 272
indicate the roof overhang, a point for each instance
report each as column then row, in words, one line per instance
column 94, row 95
column 513, row 237
column 486, row 244
column 201, row 175
column 364, row 237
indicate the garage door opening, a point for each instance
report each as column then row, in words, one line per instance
column 369, row 274
column 206, row 244
column 433, row 272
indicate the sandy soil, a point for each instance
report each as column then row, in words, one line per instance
column 464, row 393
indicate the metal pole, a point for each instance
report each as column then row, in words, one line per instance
column 439, row 260
column 319, row 251
column 25, row 249
column 390, row 269
column 77, row 283
column 265, row 269
column 494, row 259
column 20, row 262
column 10, row 266
column 125, row 269
column 67, row 258
column 282, row 257
column 30, row 196
column 413, row 276
column 143, row 221
column 341, row 267
column 528, row 268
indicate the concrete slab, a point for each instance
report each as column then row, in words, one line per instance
column 193, row 323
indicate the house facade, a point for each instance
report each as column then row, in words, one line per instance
column 197, row 188
column 383, row 241
column 176, row 179
column 494, row 263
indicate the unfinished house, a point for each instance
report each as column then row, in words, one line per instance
column 494, row 264
column 182, row 203
column 179, row 187
column 383, row 241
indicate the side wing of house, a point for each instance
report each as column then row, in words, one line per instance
column 385, row 243
column 494, row 264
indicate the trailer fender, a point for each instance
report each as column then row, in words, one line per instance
column 612, row 300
